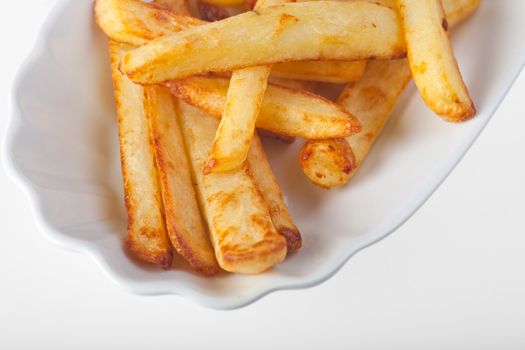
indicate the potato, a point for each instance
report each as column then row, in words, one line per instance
column 372, row 99
column 271, row 35
column 147, row 238
column 242, row 232
column 136, row 23
column 283, row 111
column 243, row 101
column 432, row 60
column 327, row 163
column 322, row 71
column 267, row 183
column 183, row 219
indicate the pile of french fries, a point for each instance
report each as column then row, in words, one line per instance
column 192, row 93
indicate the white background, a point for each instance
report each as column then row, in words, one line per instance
column 453, row 277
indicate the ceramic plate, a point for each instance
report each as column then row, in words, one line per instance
column 62, row 149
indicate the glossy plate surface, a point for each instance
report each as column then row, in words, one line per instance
column 62, row 149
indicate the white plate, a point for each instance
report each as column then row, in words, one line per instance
column 62, row 149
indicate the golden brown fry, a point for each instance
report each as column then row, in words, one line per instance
column 323, row 71
column 271, row 35
column 372, row 99
column 136, row 23
column 267, row 183
column 327, row 163
column 432, row 60
column 147, row 238
column 183, row 220
column 242, row 231
column 283, row 111
column 178, row 6
column 243, row 100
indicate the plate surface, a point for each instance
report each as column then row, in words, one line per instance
column 62, row 149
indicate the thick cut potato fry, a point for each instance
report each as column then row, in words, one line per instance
column 243, row 100
column 327, row 163
column 147, row 238
column 271, row 35
column 241, row 229
column 323, row 71
column 136, row 23
column 267, row 183
column 372, row 98
column 178, row 6
column 283, row 111
column 432, row 60
column 183, row 220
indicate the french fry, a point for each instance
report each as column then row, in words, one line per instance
column 183, row 220
column 432, row 60
column 283, row 111
column 267, row 183
column 243, row 101
column 241, row 229
column 372, row 99
column 178, row 6
column 147, row 238
column 271, row 35
column 324, row 71
column 327, row 163
column 135, row 22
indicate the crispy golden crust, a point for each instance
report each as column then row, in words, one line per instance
column 242, row 232
column 283, row 110
column 147, row 237
column 327, row 163
column 373, row 30
column 185, row 226
column 265, row 180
